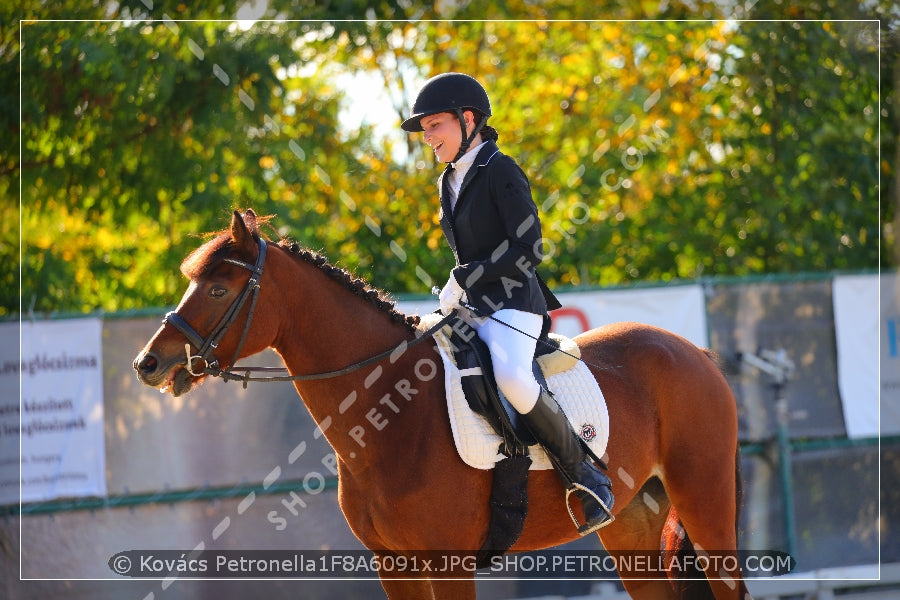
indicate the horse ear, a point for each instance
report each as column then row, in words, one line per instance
column 239, row 231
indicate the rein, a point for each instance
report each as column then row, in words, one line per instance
column 393, row 353
column 484, row 315
column 205, row 347
column 436, row 291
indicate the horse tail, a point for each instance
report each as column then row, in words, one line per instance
column 689, row 582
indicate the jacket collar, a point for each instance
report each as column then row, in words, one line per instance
column 487, row 152
column 484, row 156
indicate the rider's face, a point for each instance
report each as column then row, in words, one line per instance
column 442, row 133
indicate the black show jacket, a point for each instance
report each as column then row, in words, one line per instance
column 495, row 235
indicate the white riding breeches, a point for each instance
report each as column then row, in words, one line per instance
column 512, row 354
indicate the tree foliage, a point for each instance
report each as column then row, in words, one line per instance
column 657, row 150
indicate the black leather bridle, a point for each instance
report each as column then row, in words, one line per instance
column 206, row 347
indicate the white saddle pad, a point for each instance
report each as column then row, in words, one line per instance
column 575, row 389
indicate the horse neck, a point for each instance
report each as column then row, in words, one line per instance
column 326, row 328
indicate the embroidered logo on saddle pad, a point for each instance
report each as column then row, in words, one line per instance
column 572, row 384
column 588, row 432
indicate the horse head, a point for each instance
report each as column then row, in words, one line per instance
column 210, row 324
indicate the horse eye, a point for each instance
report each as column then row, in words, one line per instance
column 218, row 292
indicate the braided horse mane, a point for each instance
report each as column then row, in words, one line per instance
column 208, row 255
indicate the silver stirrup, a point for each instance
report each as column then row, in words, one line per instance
column 587, row 528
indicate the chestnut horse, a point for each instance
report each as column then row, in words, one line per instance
column 402, row 487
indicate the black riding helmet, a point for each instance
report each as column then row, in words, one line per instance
column 451, row 92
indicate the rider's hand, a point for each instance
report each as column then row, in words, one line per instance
column 450, row 295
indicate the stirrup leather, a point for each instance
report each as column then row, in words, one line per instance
column 587, row 527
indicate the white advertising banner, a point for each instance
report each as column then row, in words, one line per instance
column 681, row 309
column 890, row 353
column 9, row 413
column 59, row 414
column 865, row 322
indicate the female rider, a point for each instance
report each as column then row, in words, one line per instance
column 491, row 223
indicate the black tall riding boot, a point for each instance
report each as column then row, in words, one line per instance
column 589, row 484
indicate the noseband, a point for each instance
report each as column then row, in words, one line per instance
column 206, row 347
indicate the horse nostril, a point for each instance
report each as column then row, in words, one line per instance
column 147, row 364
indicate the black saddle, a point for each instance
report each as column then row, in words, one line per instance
column 473, row 359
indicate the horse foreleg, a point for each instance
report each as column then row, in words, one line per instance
column 406, row 589
column 453, row 589
column 399, row 586
column 636, row 533
column 428, row 589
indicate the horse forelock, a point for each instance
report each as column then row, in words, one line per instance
column 203, row 259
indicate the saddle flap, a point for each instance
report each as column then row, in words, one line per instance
column 479, row 439
column 473, row 359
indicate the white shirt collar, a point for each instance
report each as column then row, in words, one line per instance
column 458, row 174
column 466, row 160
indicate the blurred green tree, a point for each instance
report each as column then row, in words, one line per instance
column 657, row 150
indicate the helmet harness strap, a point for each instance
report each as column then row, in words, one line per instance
column 467, row 139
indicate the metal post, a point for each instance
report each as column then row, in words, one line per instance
column 776, row 364
column 784, row 467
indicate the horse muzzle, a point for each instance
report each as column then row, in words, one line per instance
column 167, row 376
